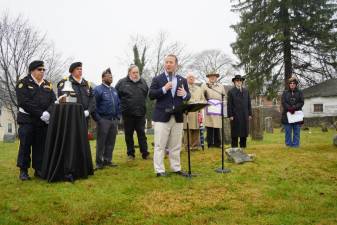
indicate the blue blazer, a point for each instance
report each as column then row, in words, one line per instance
column 165, row 102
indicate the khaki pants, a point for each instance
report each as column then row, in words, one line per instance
column 194, row 139
column 167, row 135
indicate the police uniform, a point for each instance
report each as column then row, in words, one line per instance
column 83, row 90
column 33, row 101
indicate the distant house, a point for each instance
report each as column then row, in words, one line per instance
column 7, row 125
column 321, row 100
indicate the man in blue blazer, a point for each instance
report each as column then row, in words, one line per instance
column 170, row 91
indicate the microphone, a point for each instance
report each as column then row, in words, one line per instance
column 170, row 76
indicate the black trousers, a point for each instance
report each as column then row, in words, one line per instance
column 213, row 137
column 243, row 142
column 32, row 139
column 131, row 124
column 105, row 142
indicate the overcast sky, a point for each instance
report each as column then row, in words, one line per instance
column 98, row 32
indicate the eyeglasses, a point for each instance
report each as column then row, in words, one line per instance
column 41, row 69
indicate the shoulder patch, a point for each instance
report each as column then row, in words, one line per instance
column 20, row 85
column 61, row 83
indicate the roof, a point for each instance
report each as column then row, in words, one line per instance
column 327, row 88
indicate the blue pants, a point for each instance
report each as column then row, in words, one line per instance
column 292, row 134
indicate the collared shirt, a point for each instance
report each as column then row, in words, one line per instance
column 38, row 83
column 78, row 81
column 106, row 85
column 174, row 83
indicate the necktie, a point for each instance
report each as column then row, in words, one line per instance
column 170, row 80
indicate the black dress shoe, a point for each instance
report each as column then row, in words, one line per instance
column 181, row 173
column 69, row 177
column 99, row 167
column 110, row 164
column 161, row 174
column 24, row 175
column 147, row 157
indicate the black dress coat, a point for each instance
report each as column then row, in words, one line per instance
column 239, row 107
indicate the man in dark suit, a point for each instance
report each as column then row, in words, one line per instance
column 170, row 91
column 239, row 111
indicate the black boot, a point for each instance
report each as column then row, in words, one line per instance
column 24, row 175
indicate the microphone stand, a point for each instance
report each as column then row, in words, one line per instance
column 222, row 169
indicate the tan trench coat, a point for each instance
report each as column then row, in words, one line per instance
column 196, row 96
column 213, row 120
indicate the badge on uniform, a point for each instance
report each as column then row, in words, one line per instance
column 20, row 85
column 61, row 84
column 30, row 87
column 47, row 86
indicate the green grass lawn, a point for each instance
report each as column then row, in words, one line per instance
column 283, row 186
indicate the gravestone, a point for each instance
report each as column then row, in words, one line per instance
column 324, row 127
column 335, row 125
column 256, row 128
column 9, row 138
column 238, row 156
column 268, row 124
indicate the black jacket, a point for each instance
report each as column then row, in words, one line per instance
column 165, row 102
column 132, row 96
column 34, row 100
column 84, row 93
column 239, row 107
column 291, row 100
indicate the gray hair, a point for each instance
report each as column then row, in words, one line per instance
column 131, row 67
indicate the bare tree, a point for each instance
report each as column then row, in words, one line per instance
column 20, row 43
column 212, row 61
column 162, row 47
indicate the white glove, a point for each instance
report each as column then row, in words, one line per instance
column 86, row 113
column 45, row 117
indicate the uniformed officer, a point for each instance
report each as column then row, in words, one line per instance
column 82, row 88
column 35, row 98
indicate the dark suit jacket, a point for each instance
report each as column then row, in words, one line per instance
column 165, row 102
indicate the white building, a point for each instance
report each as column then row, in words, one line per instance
column 7, row 125
column 321, row 100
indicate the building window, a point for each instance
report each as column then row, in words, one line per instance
column 318, row 108
column 10, row 130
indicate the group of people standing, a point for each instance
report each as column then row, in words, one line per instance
column 107, row 105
